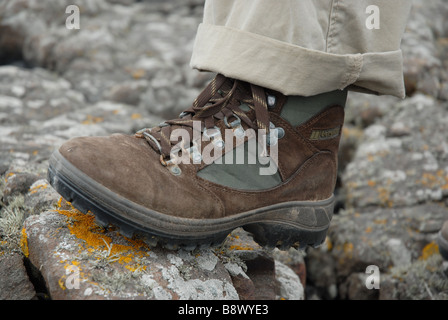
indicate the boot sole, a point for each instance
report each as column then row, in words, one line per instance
column 291, row 224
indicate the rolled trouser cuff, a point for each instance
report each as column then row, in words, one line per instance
column 291, row 69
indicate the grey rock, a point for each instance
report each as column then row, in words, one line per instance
column 77, row 268
column 402, row 160
column 290, row 287
column 424, row 279
column 17, row 184
column 14, row 284
column 354, row 288
column 80, row 260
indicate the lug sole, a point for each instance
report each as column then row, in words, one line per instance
column 295, row 224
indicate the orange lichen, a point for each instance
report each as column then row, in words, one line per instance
column 92, row 120
column 328, row 243
column 371, row 183
column 138, row 73
column 24, row 243
column 348, row 248
column 431, row 180
column 384, row 197
column 429, row 250
column 38, row 187
column 380, row 221
column 238, row 247
column 94, row 237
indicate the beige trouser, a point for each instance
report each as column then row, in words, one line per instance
column 305, row 47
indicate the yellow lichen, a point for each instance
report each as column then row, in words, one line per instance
column 384, row 197
column 38, row 187
column 380, row 221
column 371, row 183
column 92, row 120
column 238, row 247
column 429, row 250
column 24, row 243
column 328, row 243
column 61, row 282
column 431, row 180
column 94, row 237
column 348, row 248
column 138, row 73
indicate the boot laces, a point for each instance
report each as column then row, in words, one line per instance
column 220, row 100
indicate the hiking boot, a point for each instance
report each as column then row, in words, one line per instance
column 240, row 156
column 442, row 240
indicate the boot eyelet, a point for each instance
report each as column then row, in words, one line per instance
column 194, row 153
column 271, row 101
column 214, row 134
column 274, row 135
column 171, row 166
column 175, row 170
column 235, row 125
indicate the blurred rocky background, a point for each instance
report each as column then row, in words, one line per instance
column 127, row 67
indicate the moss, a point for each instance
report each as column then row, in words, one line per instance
column 12, row 217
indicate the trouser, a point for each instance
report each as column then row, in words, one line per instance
column 305, row 47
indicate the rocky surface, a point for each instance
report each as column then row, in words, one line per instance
column 127, row 68
column 393, row 181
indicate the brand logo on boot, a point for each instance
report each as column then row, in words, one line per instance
column 325, row 134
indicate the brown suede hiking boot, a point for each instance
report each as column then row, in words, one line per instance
column 241, row 156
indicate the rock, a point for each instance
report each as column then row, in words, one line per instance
column 40, row 197
column 290, row 286
column 404, row 160
column 14, row 284
column 391, row 239
column 151, row 42
column 354, row 288
column 395, row 188
column 422, row 59
column 101, row 264
column 424, row 279
column 80, row 260
column 322, row 272
column 17, row 183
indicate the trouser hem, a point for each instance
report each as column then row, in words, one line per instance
column 291, row 69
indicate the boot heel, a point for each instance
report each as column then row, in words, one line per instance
column 298, row 226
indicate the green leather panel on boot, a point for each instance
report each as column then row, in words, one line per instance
column 299, row 109
column 239, row 173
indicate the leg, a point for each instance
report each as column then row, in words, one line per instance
column 305, row 47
